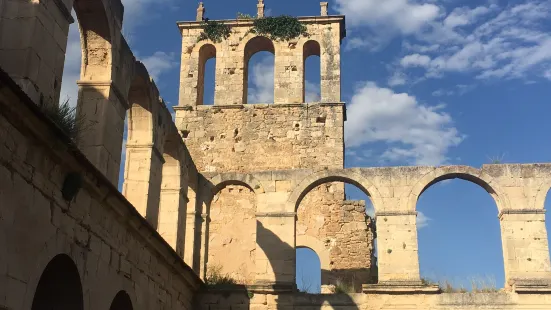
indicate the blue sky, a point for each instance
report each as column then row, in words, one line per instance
column 426, row 82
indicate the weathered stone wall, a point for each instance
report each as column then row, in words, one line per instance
column 109, row 242
column 466, row 301
column 263, row 137
column 345, row 232
column 232, row 233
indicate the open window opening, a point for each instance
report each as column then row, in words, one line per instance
column 312, row 72
column 308, row 269
column 206, row 83
column 459, row 237
column 259, row 71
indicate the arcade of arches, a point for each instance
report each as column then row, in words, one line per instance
column 233, row 184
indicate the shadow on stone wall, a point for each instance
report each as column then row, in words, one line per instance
column 279, row 251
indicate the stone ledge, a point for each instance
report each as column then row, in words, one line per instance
column 395, row 213
column 532, row 286
column 257, row 106
column 276, row 214
column 520, row 211
column 262, row 287
column 400, row 287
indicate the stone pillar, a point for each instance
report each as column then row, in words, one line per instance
column 260, row 9
column 396, row 240
column 275, row 251
column 142, row 180
column 525, row 250
column 103, row 109
column 33, row 41
column 324, row 10
column 331, row 66
column 200, row 12
column 289, row 75
column 397, row 255
column 204, row 246
column 173, row 205
column 192, row 246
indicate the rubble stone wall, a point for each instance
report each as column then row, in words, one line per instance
column 345, row 231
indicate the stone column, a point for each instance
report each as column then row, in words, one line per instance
column 289, row 74
column 331, row 66
column 204, row 254
column 525, row 250
column 33, row 42
column 142, row 181
column 103, row 109
column 173, row 205
column 191, row 253
column 397, row 254
column 275, row 251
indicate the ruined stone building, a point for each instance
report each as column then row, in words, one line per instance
column 236, row 186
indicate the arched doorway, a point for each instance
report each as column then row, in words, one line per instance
column 59, row 286
column 308, row 268
column 121, row 302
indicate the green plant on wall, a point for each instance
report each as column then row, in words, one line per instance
column 280, row 28
column 244, row 16
column 214, row 31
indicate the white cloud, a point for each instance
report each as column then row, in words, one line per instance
column 262, row 88
column 415, row 60
column 465, row 16
column 398, row 78
column 138, row 11
column 443, row 92
column 159, row 63
column 414, row 133
column 491, row 42
column 397, row 15
column 422, row 220
column 312, row 92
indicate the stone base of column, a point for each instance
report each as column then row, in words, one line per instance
column 267, row 287
column 531, row 286
column 400, row 287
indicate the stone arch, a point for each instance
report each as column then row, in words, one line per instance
column 206, row 51
column 317, row 246
column 141, row 125
column 59, row 286
column 310, row 48
column 121, row 302
column 466, row 173
column 543, row 191
column 247, row 180
column 58, row 244
column 97, row 33
column 326, row 176
column 253, row 46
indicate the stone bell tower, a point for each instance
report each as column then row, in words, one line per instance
column 289, row 133
column 237, row 136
